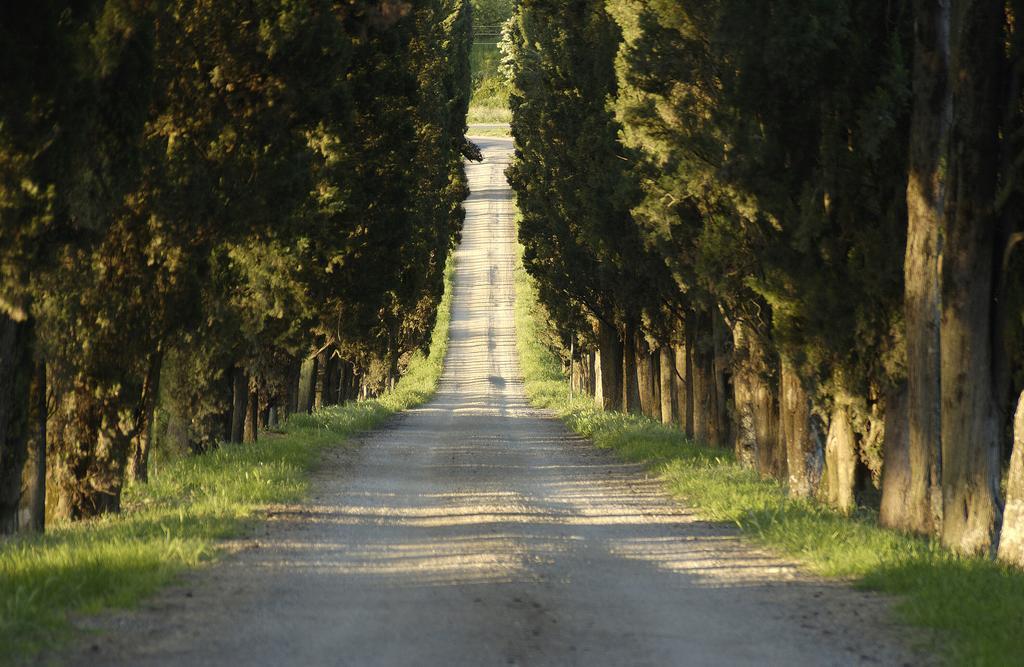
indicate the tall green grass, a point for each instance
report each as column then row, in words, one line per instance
column 975, row 606
column 174, row 522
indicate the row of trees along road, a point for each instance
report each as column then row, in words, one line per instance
column 213, row 214
column 793, row 231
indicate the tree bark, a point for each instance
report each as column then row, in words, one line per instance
column 647, row 379
column 16, row 373
column 262, row 411
column 320, row 391
column 666, row 377
column 291, row 392
column 93, row 438
column 630, row 381
column 34, row 502
column 252, row 408
column 929, row 136
column 592, row 367
column 718, row 334
column 705, row 391
column 757, row 411
column 841, row 460
column 801, row 435
column 307, row 385
column 970, row 423
column 611, row 360
column 138, row 463
column 344, row 371
column 239, row 403
column 178, row 438
column 582, row 375
column 896, row 469
column 1011, row 539
column 684, row 388
column 353, row 387
column 334, row 376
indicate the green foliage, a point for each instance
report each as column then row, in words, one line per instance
column 489, row 102
column 783, row 192
column 975, row 606
column 175, row 521
column 490, row 89
column 572, row 185
column 220, row 186
column 491, row 12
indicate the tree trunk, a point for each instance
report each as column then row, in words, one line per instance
column 291, row 391
column 1011, row 539
column 801, row 435
column 896, row 470
column 656, row 378
column 334, row 374
column 666, row 377
column 584, row 375
column 320, row 391
column 252, row 408
column 646, row 379
column 705, row 391
column 34, row 502
column 352, row 393
column 611, row 354
column 262, row 412
column 630, row 381
column 138, row 463
column 684, row 387
column 929, row 136
column 970, row 423
column 16, row 372
column 177, row 436
column 307, row 385
column 591, row 373
column 574, row 371
column 239, row 403
column 94, row 439
column 757, row 411
column 841, row 460
column 344, row 371
column 718, row 334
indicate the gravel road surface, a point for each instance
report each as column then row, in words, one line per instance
column 477, row 531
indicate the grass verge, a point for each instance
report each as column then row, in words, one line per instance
column 496, row 132
column 976, row 606
column 174, row 522
column 489, row 113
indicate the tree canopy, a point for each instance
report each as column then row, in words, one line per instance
column 744, row 194
column 200, row 197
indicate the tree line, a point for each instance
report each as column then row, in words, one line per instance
column 214, row 214
column 792, row 230
column 491, row 13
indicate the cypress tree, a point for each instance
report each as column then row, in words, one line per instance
column 574, row 188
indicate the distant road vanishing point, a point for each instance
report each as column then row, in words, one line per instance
column 476, row 530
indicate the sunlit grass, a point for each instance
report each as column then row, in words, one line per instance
column 490, row 91
column 489, row 132
column 174, row 522
column 975, row 606
column 484, row 114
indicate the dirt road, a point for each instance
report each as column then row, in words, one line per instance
column 476, row 531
